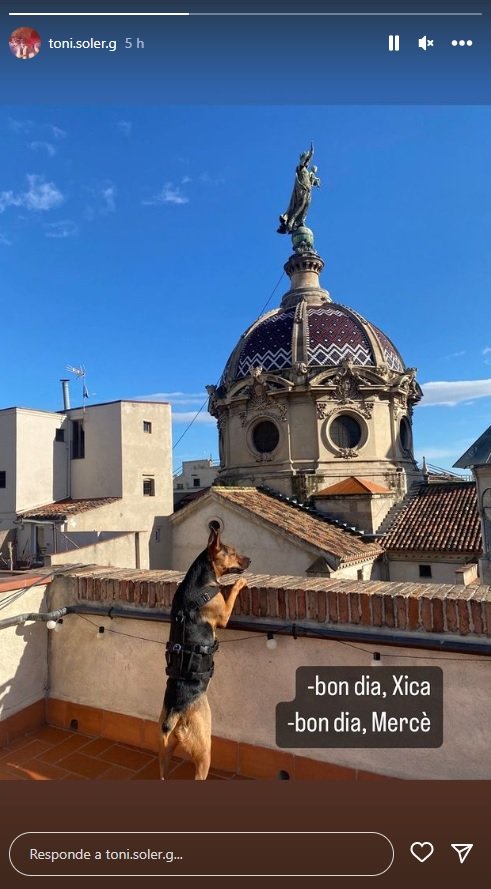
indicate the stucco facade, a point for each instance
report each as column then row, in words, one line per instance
column 31, row 481
column 24, row 659
column 478, row 458
column 271, row 549
column 365, row 511
column 134, row 682
column 430, row 568
column 119, row 451
column 194, row 476
column 482, row 475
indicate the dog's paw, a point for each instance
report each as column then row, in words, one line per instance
column 239, row 584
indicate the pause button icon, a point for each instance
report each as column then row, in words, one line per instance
column 393, row 42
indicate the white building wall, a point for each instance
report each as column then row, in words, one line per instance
column 119, row 454
column 8, row 464
column 193, row 471
column 147, row 454
column 24, row 659
column 482, row 475
column 36, row 465
column 408, row 570
column 126, row 675
column 121, row 550
column 99, row 473
column 42, row 462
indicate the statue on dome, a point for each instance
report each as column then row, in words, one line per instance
column 305, row 180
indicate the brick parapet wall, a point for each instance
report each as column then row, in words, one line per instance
column 409, row 607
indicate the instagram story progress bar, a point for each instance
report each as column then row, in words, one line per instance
column 248, row 13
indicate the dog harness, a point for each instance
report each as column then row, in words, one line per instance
column 187, row 660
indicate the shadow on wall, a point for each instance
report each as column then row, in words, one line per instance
column 159, row 544
column 24, row 653
column 7, row 548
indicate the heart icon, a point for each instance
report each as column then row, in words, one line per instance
column 422, row 851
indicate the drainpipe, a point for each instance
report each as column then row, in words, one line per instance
column 430, row 641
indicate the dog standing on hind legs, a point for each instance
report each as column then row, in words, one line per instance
column 199, row 606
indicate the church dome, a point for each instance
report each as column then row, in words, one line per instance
column 313, row 393
column 319, row 335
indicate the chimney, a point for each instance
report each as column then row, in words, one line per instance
column 66, row 394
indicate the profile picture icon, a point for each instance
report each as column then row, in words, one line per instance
column 24, row 43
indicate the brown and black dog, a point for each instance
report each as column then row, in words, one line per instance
column 199, row 606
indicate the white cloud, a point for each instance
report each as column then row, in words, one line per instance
column 456, row 354
column 182, row 398
column 56, row 132
column 103, row 199
column 452, row 393
column 20, row 126
column 434, row 453
column 187, row 416
column 170, row 194
column 39, row 195
column 174, row 398
column 207, row 179
column 486, row 351
column 27, row 126
column 125, row 126
column 4, row 241
column 43, row 146
column 63, row 229
column 108, row 195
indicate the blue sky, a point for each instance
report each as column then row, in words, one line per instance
column 141, row 242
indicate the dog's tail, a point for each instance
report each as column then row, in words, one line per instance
column 169, row 722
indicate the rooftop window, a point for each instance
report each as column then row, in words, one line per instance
column 78, row 440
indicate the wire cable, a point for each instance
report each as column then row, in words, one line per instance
column 261, row 633
column 188, row 427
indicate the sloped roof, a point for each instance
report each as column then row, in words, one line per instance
column 440, row 518
column 282, row 515
column 478, row 454
column 352, row 485
column 188, row 497
column 62, row 509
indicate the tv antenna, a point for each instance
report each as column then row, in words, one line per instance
column 81, row 373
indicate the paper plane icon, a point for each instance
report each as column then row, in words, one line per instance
column 462, row 850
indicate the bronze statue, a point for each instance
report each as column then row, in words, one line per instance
column 305, row 180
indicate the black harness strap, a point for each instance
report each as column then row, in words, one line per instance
column 188, row 660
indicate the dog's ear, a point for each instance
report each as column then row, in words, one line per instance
column 214, row 539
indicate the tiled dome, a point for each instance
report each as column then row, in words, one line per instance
column 329, row 334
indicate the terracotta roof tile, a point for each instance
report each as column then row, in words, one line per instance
column 62, row 509
column 352, row 485
column 440, row 518
column 318, row 532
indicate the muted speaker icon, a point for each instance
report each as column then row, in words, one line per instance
column 425, row 42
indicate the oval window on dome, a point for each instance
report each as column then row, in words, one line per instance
column 345, row 431
column 265, row 436
column 405, row 434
